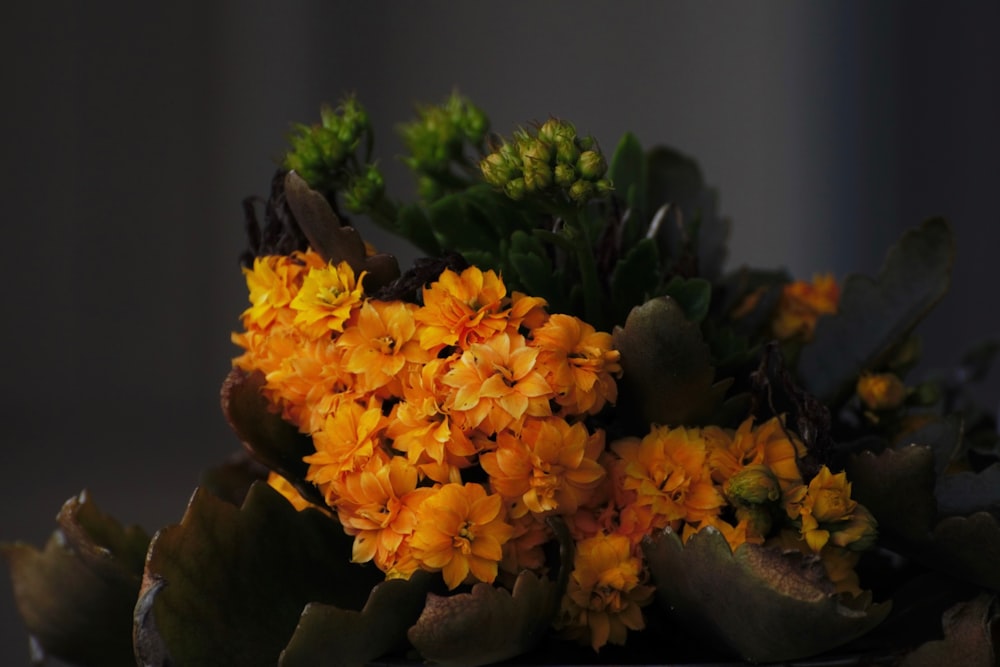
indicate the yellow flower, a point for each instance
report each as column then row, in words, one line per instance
column 327, row 299
column 578, row 362
column 381, row 341
column 881, row 391
column 290, row 493
column 460, row 532
column 462, row 308
column 550, row 467
column 801, row 304
column 377, row 505
column 496, row 385
column 668, row 471
column 605, row 594
column 826, row 501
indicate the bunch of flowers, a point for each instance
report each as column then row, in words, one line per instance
column 566, row 423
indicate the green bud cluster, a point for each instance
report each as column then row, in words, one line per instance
column 439, row 134
column 320, row 153
column 365, row 190
column 552, row 159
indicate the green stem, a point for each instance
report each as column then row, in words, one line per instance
column 588, row 270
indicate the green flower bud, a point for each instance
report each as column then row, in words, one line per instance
column 859, row 533
column 759, row 519
column 753, row 485
column 566, row 151
column 496, row 169
column 564, row 175
column 475, row 124
column 537, row 176
column 515, row 189
column 591, row 165
column 536, row 152
column 365, row 190
column 604, row 186
column 581, row 191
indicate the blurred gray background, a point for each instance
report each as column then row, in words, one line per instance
column 133, row 131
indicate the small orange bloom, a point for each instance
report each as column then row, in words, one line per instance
column 461, row 532
column 327, row 298
column 272, row 283
column 668, row 472
column 802, row 303
column 578, row 362
column 768, row 444
column 496, row 384
column 881, row 391
column 460, row 309
column 380, row 343
column 351, row 435
column 605, row 594
column 550, row 467
column 826, row 501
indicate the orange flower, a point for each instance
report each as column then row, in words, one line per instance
column 578, row 362
column 377, row 505
column 550, row 467
column 461, row 532
column 272, row 283
column 668, row 471
column 380, row 343
column 462, row 309
column 803, row 303
column 768, row 444
column 327, row 299
column 881, row 391
column 350, row 436
column 496, row 384
column 605, row 594
column 826, row 501
column 290, row 493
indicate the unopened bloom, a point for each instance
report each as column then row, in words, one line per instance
column 461, row 532
column 826, row 501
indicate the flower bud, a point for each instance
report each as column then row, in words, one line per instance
column 537, row 176
column 859, row 533
column 496, row 169
column 564, row 175
column 591, row 165
column 881, row 391
column 753, row 485
column 566, row 151
column 581, row 191
column 364, row 190
column 515, row 189
column 554, row 130
column 537, row 152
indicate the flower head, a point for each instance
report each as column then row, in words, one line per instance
column 578, row 362
column 327, row 298
column 881, row 391
column 820, row 506
column 802, row 303
column 461, row 532
column 460, row 309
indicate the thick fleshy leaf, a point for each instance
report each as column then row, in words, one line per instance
column 876, row 315
column 227, row 585
column 487, row 625
column 627, row 172
column 897, row 487
column 970, row 629
column 963, row 493
column 76, row 596
column 694, row 295
column 334, row 637
column 634, row 277
column 270, row 439
column 232, row 479
column 943, row 437
column 764, row 605
column 333, row 241
column 967, row 548
column 668, row 375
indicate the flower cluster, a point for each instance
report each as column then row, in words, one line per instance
column 403, row 400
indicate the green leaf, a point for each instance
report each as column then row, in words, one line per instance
column 532, row 267
column 76, row 596
column 269, row 438
column 628, row 171
column 634, row 278
column 693, row 294
column 765, row 605
column 227, row 585
column 876, row 315
column 460, row 226
column 897, row 487
column 969, row 631
column 232, row 479
column 330, row 636
column 668, row 374
column 412, row 224
column 487, row 625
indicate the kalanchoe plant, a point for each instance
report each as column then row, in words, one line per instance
column 568, row 433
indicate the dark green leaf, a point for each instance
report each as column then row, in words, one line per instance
column 270, row 439
column 628, row 172
column 634, row 278
column 693, row 294
column 227, row 585
column 76, row 596
column 874, row 316
column 532, row 267
column 233, row 478
column 413, row 225
column 763, row 604
column 328, row 636
column 487, row 625
column 897, row 487
column 668, row 375
column 969, row 632
column 460, row 227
